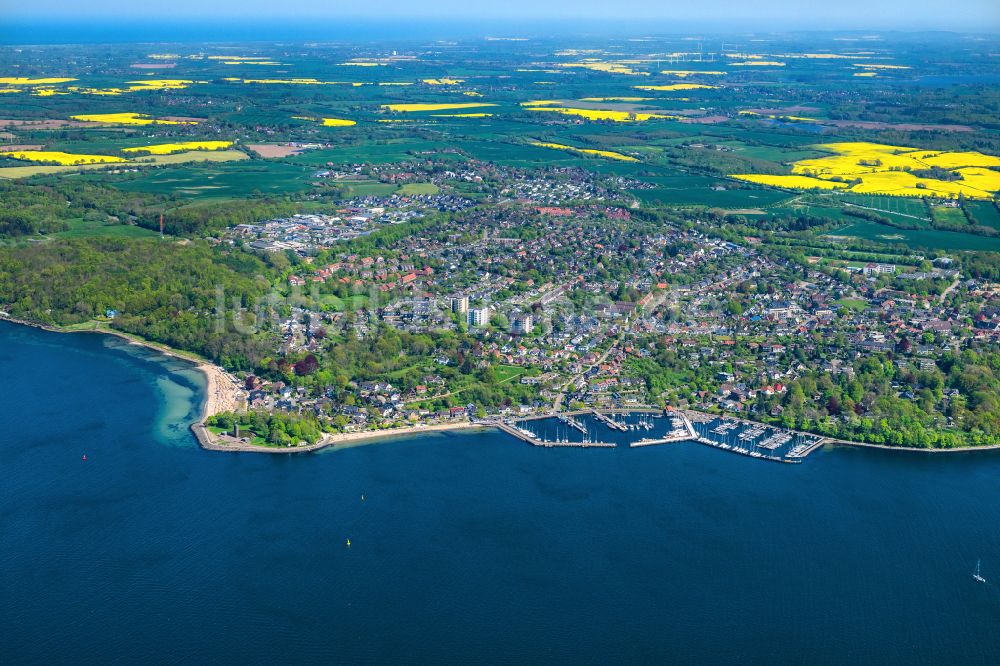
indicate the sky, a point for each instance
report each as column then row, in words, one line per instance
column 972, row 15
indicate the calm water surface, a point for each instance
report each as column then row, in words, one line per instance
column 467, row 548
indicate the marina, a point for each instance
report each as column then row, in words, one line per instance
column 756, row 440
column 560, row 439
column 746, row 438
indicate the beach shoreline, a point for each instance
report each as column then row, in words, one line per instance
column 222, row 392
column 211, row 442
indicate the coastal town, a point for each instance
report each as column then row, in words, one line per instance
column 544, row 302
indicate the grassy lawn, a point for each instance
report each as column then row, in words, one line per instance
column 419, row 188
column 852, row 303
column 80, row 228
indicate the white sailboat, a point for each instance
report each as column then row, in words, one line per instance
column 976, row 576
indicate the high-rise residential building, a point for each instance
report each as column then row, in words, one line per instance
column 479, row 316
column 521, row 324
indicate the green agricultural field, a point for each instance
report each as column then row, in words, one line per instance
column 928, row 238
column 883, row 204
column 692, row 190
column 222, row 180
column 952, row 216
column 984, row 212
column 372, row 153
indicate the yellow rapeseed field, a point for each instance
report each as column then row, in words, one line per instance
column 462, row 115
column 874, row 168
column 681, row 73
column 328, row 122
column 407, row 108
column 21, row 81
column 63, row 159
column 443, row 82
column 128, row 119
column 607, row 67
column 610, row 154
column 159, row 84
column 168, row 148
column 794, row 182
column 677, row 86
column 879, row 66
column 602, row 114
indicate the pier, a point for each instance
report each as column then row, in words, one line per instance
column 534, row 441
column 745, row 452
column 608, row 421
column 572, row 423
column 798, row 452
column 670, row 439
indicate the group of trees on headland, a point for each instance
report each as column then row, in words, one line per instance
column 161, row 290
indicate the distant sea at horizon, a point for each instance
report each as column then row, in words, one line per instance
column 466, row 547
column 209, row 30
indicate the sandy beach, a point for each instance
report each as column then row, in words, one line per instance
column 331, row 440
column 221, row 392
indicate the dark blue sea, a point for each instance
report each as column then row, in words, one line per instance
column 466, row 548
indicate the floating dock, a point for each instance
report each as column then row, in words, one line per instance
column 672, row 439
column 608, row 421
column 744, row 452
column 534, row 441
column 572, row 423
column 803, row 450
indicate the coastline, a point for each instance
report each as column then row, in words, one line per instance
column 210, row 442
column 221, row 390
column 832, row 441
column 222, row 393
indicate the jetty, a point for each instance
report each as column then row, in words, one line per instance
column 803, row 450
column 752, row 453
column 608, row 421
column 669, row 439
column 572, row 423
column 529, row 437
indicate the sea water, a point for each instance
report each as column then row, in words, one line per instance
column 464, row 548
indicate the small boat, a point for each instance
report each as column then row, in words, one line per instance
column 348, row 543
column 84, row 456
column 976, row 575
